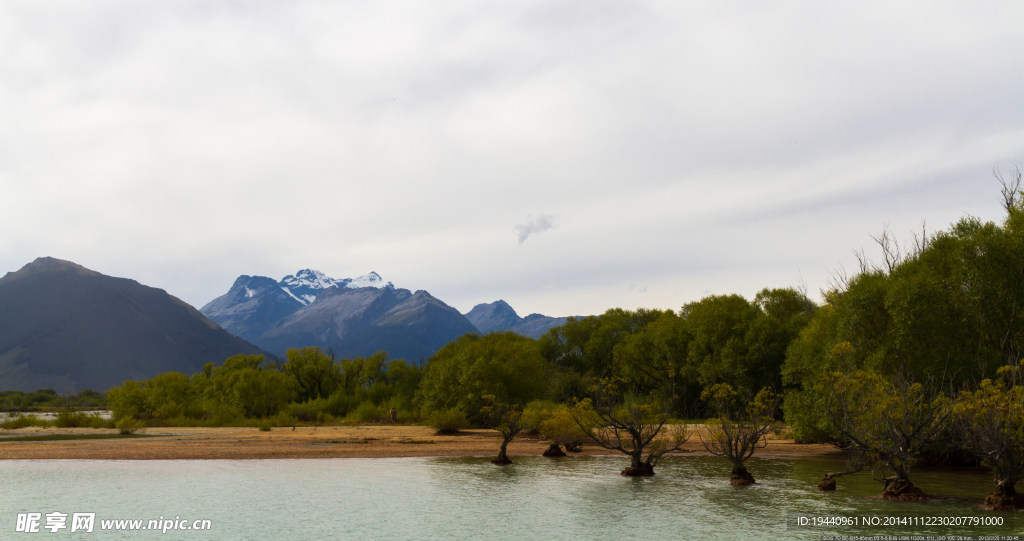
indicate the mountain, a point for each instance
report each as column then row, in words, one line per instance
column 69, row 328
column 350, row 317
column 498, row 316
column 253, row 306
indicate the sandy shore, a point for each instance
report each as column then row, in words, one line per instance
column 306, row 442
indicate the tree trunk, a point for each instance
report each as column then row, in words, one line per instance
column 554, row 451
column 740, row 476
column 1004, row 497
column 637, row 467
column 502, row 459
column 900, row 489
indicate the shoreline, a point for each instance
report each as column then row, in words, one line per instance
column 363, row 441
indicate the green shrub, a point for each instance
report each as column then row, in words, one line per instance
column 366, row 412
column 284, row 419
column 562, row 429
column 79, row 419
column 448, row 421
column 23, row 421
column 128, row 425
column 265, row 426
column 535, row 413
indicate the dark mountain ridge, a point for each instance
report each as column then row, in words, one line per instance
column 498, row 316
column 69, row 328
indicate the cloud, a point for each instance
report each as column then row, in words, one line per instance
column 536, row 225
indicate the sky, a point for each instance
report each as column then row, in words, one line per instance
column 567, row 156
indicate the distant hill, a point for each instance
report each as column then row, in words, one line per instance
column 498, row 316
column 69, row 328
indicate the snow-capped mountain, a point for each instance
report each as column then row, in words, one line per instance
column 305, row 285
column 355, row 316
column 352, row 316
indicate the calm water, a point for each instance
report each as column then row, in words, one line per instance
column 467, row 498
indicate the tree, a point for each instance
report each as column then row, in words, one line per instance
column 740, row 429
column 314, row 373
column 506, row 365
column 563, row 431
column 620, row 420
column 505, row 418
column 587, row 345
column 991, row 418
column 889, row 420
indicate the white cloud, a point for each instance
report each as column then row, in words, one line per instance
column 535, row 225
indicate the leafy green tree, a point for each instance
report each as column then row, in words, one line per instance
column 887, row 420
column 505, row 418
column 991, row 418
column 313, row 372
column 719, row 349
column 505, row 365
column 654, row 357
column 129, row 400
column 246, row 382
column 261, row 392
column 586, row 346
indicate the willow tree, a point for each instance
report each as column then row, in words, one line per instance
column 620, row 419
column 991, row 418
column 740, row 429
column 888, row 420
column 505, row 418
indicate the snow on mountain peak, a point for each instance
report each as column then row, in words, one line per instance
column 306, row 284
column 368, row 280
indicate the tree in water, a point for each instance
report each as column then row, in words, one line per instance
column 505, row 418
column 991, row 418
column 740, row 429
column 626, row 422
column 890, row 422
column 563, row 431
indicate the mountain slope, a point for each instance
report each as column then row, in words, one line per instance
column 360, row 322
column 253, row 306
column 498, row 316
column 65, row 327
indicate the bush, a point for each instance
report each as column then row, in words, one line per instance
column 22, row 421
column 79, row 419
column 448, row 421
column 128, row 425
column 562, row 429
column 366, row 412
column 535, row 414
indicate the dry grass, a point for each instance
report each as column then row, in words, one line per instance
column 369, row 441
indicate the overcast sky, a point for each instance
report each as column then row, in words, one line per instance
column 566, row 156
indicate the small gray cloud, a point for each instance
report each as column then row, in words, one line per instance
column 538, row 224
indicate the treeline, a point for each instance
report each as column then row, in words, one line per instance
column 720, row 339
column 48, row 399
column 309, row 387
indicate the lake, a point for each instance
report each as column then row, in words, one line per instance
column 469, row 498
